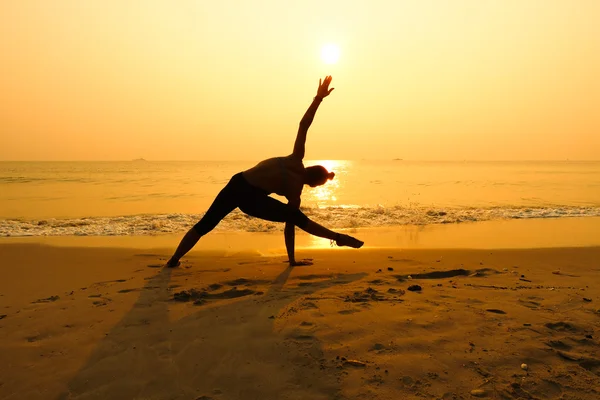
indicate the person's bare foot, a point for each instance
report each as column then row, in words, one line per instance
column 172, row 263
column 346, row 240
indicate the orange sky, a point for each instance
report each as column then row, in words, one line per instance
column 204, row 80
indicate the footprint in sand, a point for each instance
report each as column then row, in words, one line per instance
column 245, row 282
column 348, row 312
column 396, row 291
column 449, row 274
column 591, row 364
column 39, row 336
column 467, row 301
column 308, row 305
column 203, row 295
column 314, row 276
column 562, row 326
column 370, row 294
column 316, row 281
column 559, row 345
column 495, row 311
column 378, row 347
column 574, row 348
column 300, row 335
column 214, row 286
column 199, row 297
column 534, row 305
column 127, row 290
column 230, row 294
column 46, row 300
column 563, row 274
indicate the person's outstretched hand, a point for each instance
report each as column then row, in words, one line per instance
column 323, row 90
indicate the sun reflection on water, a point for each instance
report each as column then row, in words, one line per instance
column 326, row 195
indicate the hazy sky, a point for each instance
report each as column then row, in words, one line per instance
column 205, row 80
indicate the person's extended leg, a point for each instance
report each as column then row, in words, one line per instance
column 270, row 209
column 187, row 243
column 318, row 230
column 225, row 203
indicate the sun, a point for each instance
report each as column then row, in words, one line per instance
column 330, row 53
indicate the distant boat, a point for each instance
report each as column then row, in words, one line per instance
column 397, row 159
column 140, row 159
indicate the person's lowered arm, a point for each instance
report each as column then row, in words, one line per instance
column 289, row 233
column 322, row 92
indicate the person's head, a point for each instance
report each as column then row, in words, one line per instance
column 317, row 175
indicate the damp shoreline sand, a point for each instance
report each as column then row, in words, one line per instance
column 82, row 319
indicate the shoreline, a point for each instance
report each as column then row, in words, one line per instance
column 499, row 234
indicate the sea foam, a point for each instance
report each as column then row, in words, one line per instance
column 331, row 217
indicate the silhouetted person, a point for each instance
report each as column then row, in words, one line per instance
column 286, row 176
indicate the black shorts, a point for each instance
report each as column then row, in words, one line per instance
column 252, row 201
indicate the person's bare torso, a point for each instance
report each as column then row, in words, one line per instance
column 281, row 175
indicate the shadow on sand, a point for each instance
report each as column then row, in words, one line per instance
column 229, row 351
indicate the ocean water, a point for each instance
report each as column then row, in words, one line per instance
column 157, row 197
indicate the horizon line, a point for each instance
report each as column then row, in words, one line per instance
column 320, row 159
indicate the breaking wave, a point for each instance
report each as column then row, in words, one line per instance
column 332, row 217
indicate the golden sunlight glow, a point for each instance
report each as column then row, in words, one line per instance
column 326, row 194
column 453, row 83
column 332, row 165
column 330, row 53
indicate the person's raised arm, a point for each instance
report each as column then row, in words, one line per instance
column 322, row 92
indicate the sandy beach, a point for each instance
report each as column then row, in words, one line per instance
column 457, row 140
column 95, row 322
